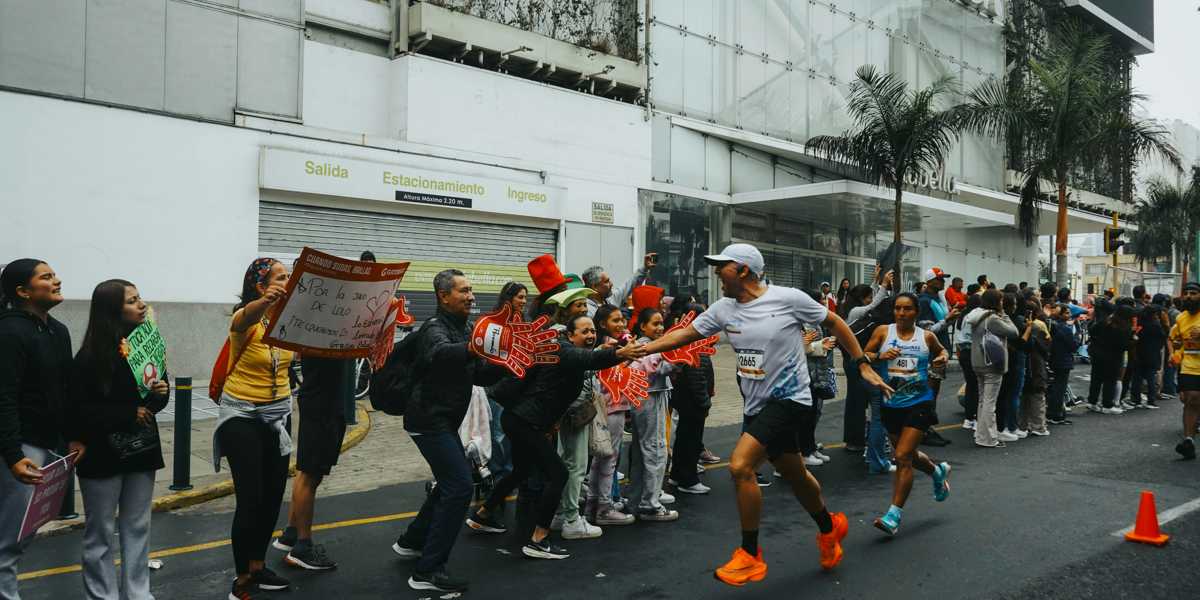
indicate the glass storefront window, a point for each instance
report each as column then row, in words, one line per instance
column 680, row 230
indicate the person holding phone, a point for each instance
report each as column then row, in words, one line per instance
column 35, row 363
column 597, row 279
column 118, row 424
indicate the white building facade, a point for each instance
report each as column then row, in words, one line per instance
column 170, row 142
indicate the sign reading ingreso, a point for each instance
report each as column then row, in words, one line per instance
column 335, row 176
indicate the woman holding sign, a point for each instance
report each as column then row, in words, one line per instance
column 117, row 422
column 35, row 359
column 252, row 427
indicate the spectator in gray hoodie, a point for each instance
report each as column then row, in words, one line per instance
column 989, row 317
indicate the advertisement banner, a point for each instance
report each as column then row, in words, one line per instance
column 147, row 353
column 336, row 307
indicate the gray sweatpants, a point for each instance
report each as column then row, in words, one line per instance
column 573, row 448
column 117, row 506
column 600, row 481
column 648, row 456
column 14, row 499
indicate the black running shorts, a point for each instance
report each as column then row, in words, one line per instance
column 1189, row 383
column 918, row 416
column 322, row 429
column 779, row 424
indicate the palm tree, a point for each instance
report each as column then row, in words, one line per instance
column 1074, row 116
column 894, row 132
column 1168, row 220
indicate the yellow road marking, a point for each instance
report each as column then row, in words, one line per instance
column 322, row 527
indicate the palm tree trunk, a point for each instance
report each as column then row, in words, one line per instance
column 896, row 236
column 1060, row 247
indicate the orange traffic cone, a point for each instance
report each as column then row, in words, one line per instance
column 1145, row 530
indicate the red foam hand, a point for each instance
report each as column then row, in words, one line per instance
column 691, row 353
column 502, row 338
column 627, row 382
column 403, row 319
column 385, row 340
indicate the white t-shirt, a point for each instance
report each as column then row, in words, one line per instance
column 768, row 335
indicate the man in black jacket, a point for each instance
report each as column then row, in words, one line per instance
column 447, row 368
column 1063, row 345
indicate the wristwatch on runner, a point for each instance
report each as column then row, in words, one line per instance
column 862, row 360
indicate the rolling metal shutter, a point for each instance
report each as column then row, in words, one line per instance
column 489, row 254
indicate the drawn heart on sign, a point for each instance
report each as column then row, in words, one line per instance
column 382, row 301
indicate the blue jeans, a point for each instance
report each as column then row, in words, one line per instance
column 1170, row 383
column 877, row 456
column 1150, row 378
column 501, row 461
column 1012, row 407
column 436, row 527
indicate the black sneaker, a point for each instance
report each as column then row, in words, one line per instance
column 241, row 593
column 438, row 580
column 1186, row 448
column 286, row 540
column 762, row 481
column 402, row 549
column 488, row 524
column 268, row 580
column 310, row 556
column 544, row 549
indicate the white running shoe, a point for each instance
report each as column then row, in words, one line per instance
column 1007, row 436
column 1112, row 411
column 824, row 457
column 694, row 489
column 1021, row 433
column 968, row 424
column 665, row 498
column 812, row 461
column 1043, row 433
column 580, row 529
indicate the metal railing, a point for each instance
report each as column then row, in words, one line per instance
column 606, row 26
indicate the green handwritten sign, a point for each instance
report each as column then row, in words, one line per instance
column 147, row 354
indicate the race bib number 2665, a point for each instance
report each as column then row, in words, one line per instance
column 750, row 364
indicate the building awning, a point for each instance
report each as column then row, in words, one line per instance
column 865, row 207
column 1078, row 221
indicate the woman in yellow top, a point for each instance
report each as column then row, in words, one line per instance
column 252, row 427
column 1185, row 356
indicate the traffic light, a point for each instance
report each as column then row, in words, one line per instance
column 1112, row 239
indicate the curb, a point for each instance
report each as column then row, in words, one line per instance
column 220, row 489
column 224, row 488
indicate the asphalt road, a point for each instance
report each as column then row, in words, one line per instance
column 1034, row 520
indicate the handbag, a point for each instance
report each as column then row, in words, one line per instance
column 995, row 349
column 600, row 444
column 129, row 444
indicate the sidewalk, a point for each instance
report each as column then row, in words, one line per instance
column 206, row 484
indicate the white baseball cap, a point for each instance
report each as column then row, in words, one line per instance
column 935, row 273
column 743, row 254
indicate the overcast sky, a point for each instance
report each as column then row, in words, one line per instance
column 1170, row 76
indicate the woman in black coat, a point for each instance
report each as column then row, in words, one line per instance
column 117, row 423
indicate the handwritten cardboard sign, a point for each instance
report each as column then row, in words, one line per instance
column 47, row 496
column 335, row 307
column 147, row 354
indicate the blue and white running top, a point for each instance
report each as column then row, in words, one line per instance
column 908, row 373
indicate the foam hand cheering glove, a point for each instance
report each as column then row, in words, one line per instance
column 503, row 339
column 403, row 319
column 691, row 353
column 385, row 341
column 625, row 381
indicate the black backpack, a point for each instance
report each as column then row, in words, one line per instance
column 392, row 385
column 865, row 325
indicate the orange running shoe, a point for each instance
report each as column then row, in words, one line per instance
column 742, row 568
column 830, row 543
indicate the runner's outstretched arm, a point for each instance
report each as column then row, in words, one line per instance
column 840, row 330
column 676, row 339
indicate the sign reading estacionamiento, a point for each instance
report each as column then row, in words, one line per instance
column 335, row 176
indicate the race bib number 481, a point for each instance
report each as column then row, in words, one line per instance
column 750, row 364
